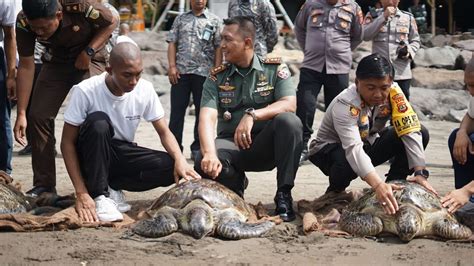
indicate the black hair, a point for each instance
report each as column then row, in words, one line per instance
column 35, row 9
column 245, row 23
column 374, row 66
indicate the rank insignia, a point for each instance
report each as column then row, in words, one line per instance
column 262, row 81
column 354, row 111
column 227, row 87
column 226, row 100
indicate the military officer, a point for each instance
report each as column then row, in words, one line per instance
column 74, row 33
column 327, row 31
column 264, row 18
column 253, row 102
column 353, row 137
column 394, row 35
column 193, row 49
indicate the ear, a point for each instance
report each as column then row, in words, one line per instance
column 248, row 43
column 357, row 82
column 59, row 15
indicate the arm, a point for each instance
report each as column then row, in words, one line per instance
column 458, row 198
column 372, row 27
column 268, row 18
column 85, row 205
column 413, row 38
column 10, row 53
column 300, row 26
column 356, row 30
column 181, row 167
column 173, row 73
column 210, row 163
column 26, row 72
column 463, row 143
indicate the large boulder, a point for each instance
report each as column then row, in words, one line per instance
column 439, row 57
column 465, row 45
column 433, row 78
column 150, row 41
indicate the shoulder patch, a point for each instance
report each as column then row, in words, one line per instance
column 21, row 21
column 74, row 6
column 272, row 61
column 354, row 111
column 218, row 69
column 283, row 72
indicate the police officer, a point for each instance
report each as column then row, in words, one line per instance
column 264, row 18
column 193, row 48
column 419, row 12
column 327, row 31
column 253, row 102
column 394, row 35
column 74, row 34
column 353, row 137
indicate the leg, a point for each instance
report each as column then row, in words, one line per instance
column 463, row 174
column 6, row 139
column 405, row 86
column 197, row 82
column 333, row 85
column 179, row 102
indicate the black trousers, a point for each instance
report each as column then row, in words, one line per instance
column 180, row 93
column 405, row 86
column 308, row 89
column 278, row 144
column 331, row 159
column 122, row 165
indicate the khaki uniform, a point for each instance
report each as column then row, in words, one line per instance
column 358, row 133
column 82, row 19
column 230, row 91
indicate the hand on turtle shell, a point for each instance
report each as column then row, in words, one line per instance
column 184, row 170
column 455, row 199
column 422, row 181
column 384, row 193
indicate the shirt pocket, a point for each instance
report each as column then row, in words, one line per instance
column 343, row 21
column 402, row 33
column 264, row 96
column 316, row 18
column 382, row 35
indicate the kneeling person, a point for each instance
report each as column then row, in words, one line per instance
column 353, row 137
column 253, row 102
column 100, row 124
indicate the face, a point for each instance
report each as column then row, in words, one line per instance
column 233, row 43
column 45, row 27
column 374, row 91
column 198, row 4
column 126, row 74
column 387, row 3
column 469, row 81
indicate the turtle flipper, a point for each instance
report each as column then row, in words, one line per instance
column 162, row 224
column 235, row 229
column 451, row 229
column 360, row 224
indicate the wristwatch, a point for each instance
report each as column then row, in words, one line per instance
column 90, row 51
column 424, row 173
column 251, row 112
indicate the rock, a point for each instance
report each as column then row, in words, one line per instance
column 463, row 58
column 155, row 62
column 456, row 115
column 433, row 78
column 150, row 41
column 436, row 104
column 160, row 83
column 439, row 57
column 440, row 41
column 465, row 45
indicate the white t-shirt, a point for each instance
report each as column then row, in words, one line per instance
column 8, row 11
column 470, row 108
column 125, row 112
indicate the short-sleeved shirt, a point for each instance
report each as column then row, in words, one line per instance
column 470, row 108
column 82, row 19
column 7, row 15
column 125, row 112
column 266, row 81
column 196, row 38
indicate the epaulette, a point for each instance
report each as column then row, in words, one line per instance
column 22, row 22
column 407, row 13
column 216, row 70
column 272, row 61
column 74, row 6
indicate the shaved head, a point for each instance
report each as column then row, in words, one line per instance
column 123, row 52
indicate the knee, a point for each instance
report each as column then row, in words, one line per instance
column 288, row 121
column 425, row 136
column 98, row 123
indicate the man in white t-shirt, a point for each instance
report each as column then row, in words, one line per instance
column 462, row 153
column 97, row 143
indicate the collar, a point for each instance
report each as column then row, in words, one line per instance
column 256, row 64
column 205, row 13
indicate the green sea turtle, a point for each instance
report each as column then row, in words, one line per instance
column 420, row 214
column 199, row 208
column 12, row 200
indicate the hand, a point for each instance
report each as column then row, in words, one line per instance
column 461, row 146
column 389, row 12
column 211, row 165
column 82, row 61
column 11, row 88
column 184, row 170
column 455, row 199
column 242, row 135
column 20, row 130
column 173, row 75
column 422, row 181
column 85, row 208
column 384, row 193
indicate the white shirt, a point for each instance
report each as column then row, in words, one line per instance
column 8, row 11
column 470, row 108
column 125, row 112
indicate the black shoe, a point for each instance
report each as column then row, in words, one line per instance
column 25, row 151
column 284, row 206
column 194, row 154
column 304, row 156
column 36, row 191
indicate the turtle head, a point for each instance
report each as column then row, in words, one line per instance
column 200, row 222
column 408, row 223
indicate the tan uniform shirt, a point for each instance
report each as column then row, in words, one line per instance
column 349, row 121
column 387, row 35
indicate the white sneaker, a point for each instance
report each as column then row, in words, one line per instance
column 106, row 209
column 119, row 198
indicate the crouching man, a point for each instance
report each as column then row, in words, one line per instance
column 97, row 143
column 354, row 137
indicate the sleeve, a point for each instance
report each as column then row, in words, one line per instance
column 300, row 25
column 470, row 108
column 413, row 38
column 371, row 27
column 414, row 149
column 284, row 85
column 9, row 16
column 209, row 94
column 268, row 18
column 217, row 34
column 347, row 130
column 25, row 39
column 154, row 110
column 96, row 13
column 174, row 31
column 76, row 110
column 356, row 30
column 231, row 9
